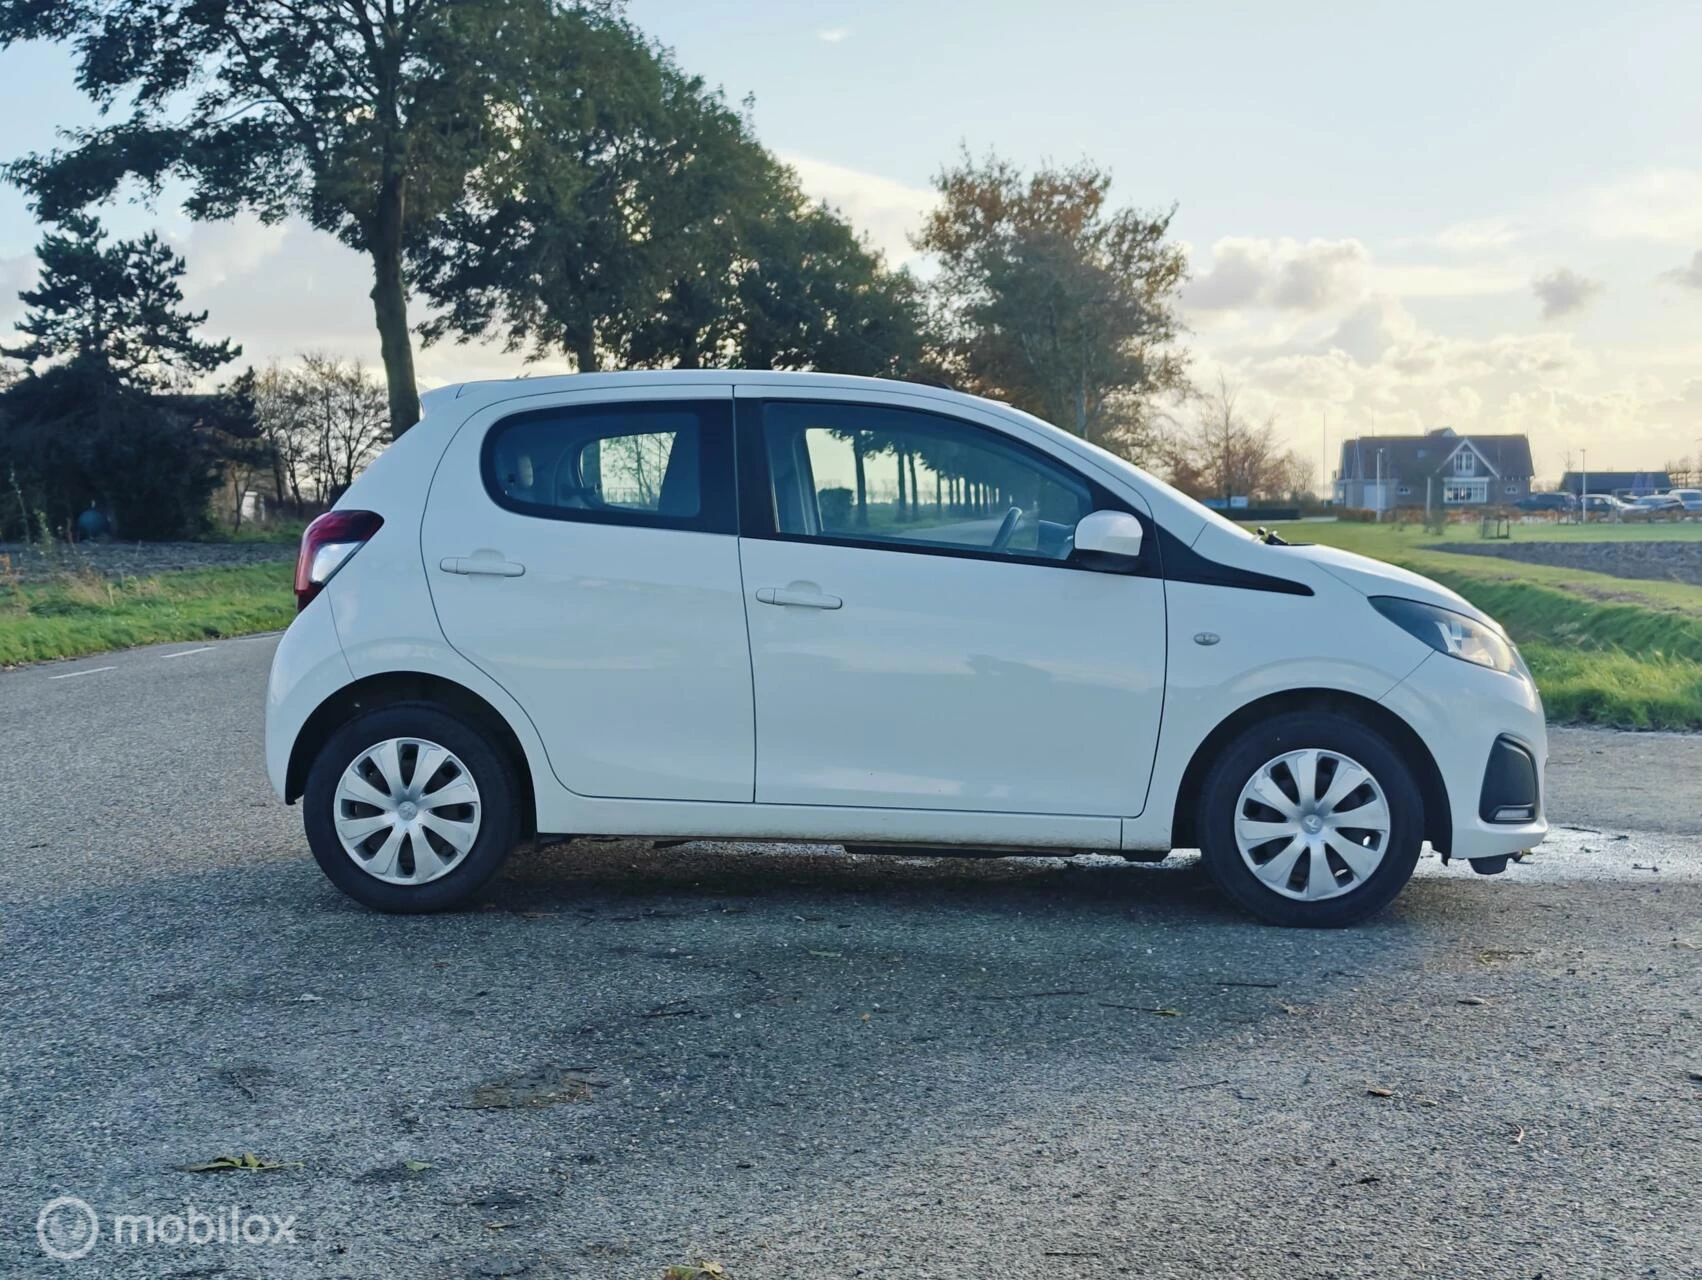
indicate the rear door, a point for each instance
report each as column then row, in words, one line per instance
column 583, row 554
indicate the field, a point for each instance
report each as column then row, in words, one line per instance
column 1604, row 650
column 85, row 613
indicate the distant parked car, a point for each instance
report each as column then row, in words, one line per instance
column 1604, row 506
column 1690, row 498
column 1556, row 503
column 1656, row 506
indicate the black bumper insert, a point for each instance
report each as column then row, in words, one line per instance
column 1509, row 785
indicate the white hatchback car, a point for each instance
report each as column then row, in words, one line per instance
column 806, row 607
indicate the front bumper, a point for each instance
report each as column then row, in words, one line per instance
column 1467, row 716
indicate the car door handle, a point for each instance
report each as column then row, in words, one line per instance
column 474, row 566
column 797, row 599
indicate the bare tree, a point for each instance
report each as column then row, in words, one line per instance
column 325, row 420
column 1222, row 455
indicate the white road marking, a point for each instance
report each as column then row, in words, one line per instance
column 72, row 675
column 184, row 653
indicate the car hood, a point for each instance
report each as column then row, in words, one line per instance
column 1375, row 578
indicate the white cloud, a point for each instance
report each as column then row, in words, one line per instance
column 1477, row 234
column 1661, row 204
column 833, row 35
column 1563, row 291
column 1439, row 280
column 1372, row 329
column 16, row 273
column 1689, row 276
column 214, row 251
column 885, row 211
column 1286, row 274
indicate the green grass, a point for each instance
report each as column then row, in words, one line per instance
column 76, row 615
column 1604, row 650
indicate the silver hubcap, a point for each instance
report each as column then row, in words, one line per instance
column 1312, row 824
column 407, row 811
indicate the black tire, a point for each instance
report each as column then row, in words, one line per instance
column 499, row 818
column 1263, row 742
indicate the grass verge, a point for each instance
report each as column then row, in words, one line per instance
column 83, row 614
column 1603, row 649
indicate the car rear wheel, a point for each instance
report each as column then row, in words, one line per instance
column 1311, row 819
column 409, row 809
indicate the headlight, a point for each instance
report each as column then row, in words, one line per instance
column 1452, row 633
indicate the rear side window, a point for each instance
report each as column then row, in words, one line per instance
column 664, row 465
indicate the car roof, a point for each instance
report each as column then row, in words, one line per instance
column 695, row 377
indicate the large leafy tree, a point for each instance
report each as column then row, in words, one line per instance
column 650, row 229
column 370, row 118
column 1052, row 300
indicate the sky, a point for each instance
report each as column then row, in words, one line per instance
column 1398, row 217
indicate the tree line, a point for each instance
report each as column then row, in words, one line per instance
column 541, row 174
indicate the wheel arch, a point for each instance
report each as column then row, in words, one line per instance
column 1438, row 817
column 388, row 688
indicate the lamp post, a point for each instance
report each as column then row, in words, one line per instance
column 1584, row 488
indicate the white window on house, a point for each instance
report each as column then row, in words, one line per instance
column 1462, row 492
column 1512, row 491
column 1404, row 491
column 1465, row 462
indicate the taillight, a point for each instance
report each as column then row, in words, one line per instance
column 326, row 546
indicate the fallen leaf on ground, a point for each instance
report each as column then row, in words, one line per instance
column 1378, row 1091
column 247, row 1162
column 828, row 955
column 542, row 1089
column 1493, row 955
column 1473, row 1000
column 696, row 1271
column 416, row 1166
column 1696, row 1075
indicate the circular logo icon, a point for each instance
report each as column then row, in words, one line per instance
column 67, row 1228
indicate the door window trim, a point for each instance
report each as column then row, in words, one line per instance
column 718, row 507
column 757, row 518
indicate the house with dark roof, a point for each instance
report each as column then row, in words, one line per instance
column 1380, row 473
column 1627, row 484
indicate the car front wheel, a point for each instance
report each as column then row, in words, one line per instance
column 409, row 809
column 1311, row 819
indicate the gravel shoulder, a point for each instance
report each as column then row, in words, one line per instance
column 138, row 559
column 1618, row 781
column 805, row 1064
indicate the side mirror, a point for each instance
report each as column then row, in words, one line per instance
column 1109, row 533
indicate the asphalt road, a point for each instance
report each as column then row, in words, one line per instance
column 808, row 1066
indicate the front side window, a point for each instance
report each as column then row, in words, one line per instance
column 667, row 465
column 913, row 480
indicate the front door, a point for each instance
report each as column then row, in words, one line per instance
column 583, row 555
column 921, row 636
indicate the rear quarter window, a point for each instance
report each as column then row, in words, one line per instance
column 661, row 465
